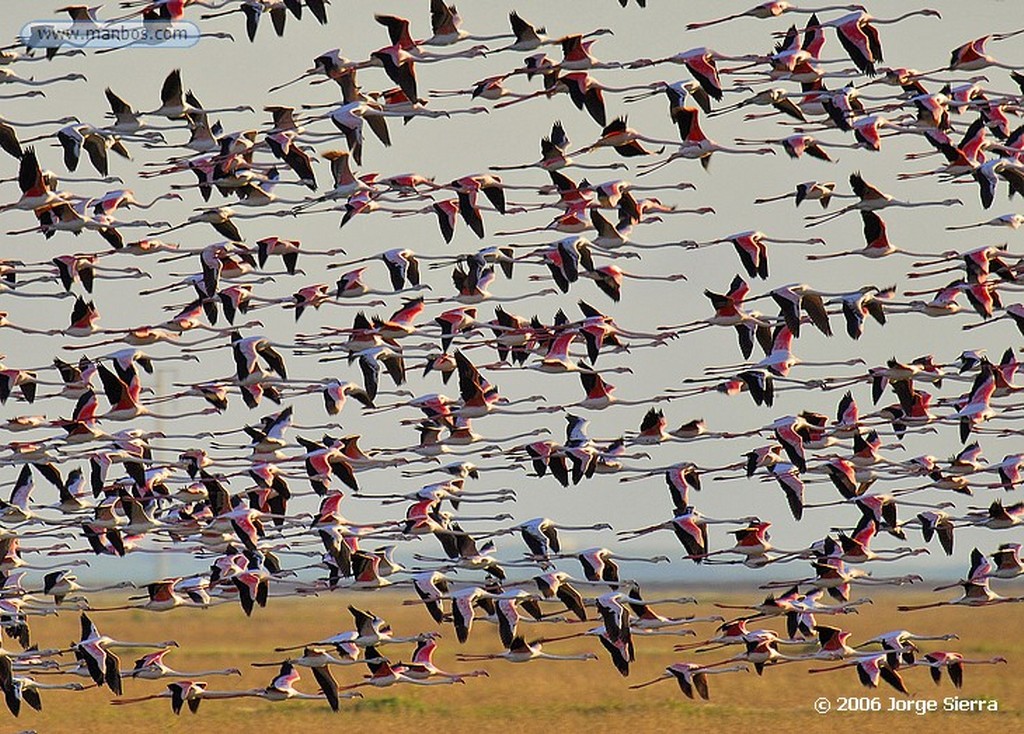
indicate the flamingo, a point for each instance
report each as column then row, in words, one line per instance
column 876, row 239
column 626, row 141
column 834, row 576
column 371, row 631
column 9, row 77
column 770, row 9
column 385, row 674
column 21, row 688
column 602, row 564
column 796, row 146
column 859, row 37
column 702, row 64
column 96, row 651
column 35, row 192
column 954, row 663
column 75, row 217
column 173, row 106
column 77, row 138
column 750, row 247
column 873, row 199
column 972, row 55
column 599, row 393
column 282, row 688
column 609, row 279
column 696, row 145
column 975, row 594
column 691, row 529
column 988, row 174
column 822, row 192
column 554, row 155
column 854, row 549
column 728, row 311
column 1007, row 561
column 521, row 651
column 781, row 360
column 180, row 692
column 162, row 595
column 870, row 669
column 996, row 516
column 529, row 37
column 794, row 299
column 541, row 534
column 421, row 664
column 152, row 667
column 752, row 542
column 691, row 677
column 1012, row 220
column 319, row 658
column 254, row 10
column 10, row 142
column 899, row 644
column 557, row 360
column 446, row 24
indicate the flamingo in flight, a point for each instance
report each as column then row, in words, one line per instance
column 282, row 688
column 696, row 145
column 770, row 9
column 870, row 670
column 521, row 651
column 972, row 55
column 152, row 667
column 860, row 39
column 954, row 663
column 235, row 502
column 181, row 693
column 18, row 689
column 873, row 199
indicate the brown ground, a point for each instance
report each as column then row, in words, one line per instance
column 538, row 696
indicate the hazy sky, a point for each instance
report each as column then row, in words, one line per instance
column 225, row 74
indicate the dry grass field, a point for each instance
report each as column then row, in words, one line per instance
column 538, row 696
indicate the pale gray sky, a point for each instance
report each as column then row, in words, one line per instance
column 225, row 74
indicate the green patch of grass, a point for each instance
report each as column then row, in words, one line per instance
column 987, row 648
column 600, row 709
column 388, row 704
